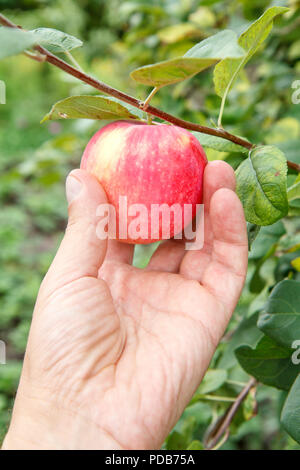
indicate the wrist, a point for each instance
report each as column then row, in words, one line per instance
column 44, row 424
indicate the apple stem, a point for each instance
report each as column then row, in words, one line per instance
column 149, row 119
column 98, row 85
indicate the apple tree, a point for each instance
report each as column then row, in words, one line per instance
column 262, row 346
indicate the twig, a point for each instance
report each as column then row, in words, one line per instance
column 222, row 441
column 104, row 88
column 222, row 426
column 52, row 59
column 294, row 166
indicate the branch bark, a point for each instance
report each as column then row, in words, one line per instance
column 104, row 88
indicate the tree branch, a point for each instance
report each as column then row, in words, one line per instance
column 293, row 165
column 222, row 425
column 104, row 88
column 54, row 60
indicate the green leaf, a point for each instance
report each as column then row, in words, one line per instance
column 220, row 45
column 290, row 415
column 261, row 185
column 252, row 232
column 196, row 445
column 217, row 143
column 269, row 363
column 180, row 437
column 227, row 70
column 92, row 107
column 208, row 52
column 213, row 379
column 247, row 334
column 296, row 263
column 14, row 41
column 258, row 31
column 224, row 75
column 280, row 319
column 170, row 71
column 54, row 40
column 266, row 238
column 175, row 441
column 250, row 405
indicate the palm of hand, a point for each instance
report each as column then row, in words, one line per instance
column 132, row 345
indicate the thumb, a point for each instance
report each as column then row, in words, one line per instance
column 81, row 252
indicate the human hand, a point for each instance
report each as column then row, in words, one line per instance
column 115, row 353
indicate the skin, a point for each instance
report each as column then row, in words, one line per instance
column 115, row 353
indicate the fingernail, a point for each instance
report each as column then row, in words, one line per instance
column 73, row 188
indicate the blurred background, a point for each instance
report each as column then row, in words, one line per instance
column 35, row 159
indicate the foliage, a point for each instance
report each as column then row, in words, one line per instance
column 261, row 185
column 193, row 46
column 92, row 107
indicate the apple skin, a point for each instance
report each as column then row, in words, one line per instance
column 149, row 164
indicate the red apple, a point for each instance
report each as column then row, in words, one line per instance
column 152, row 165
